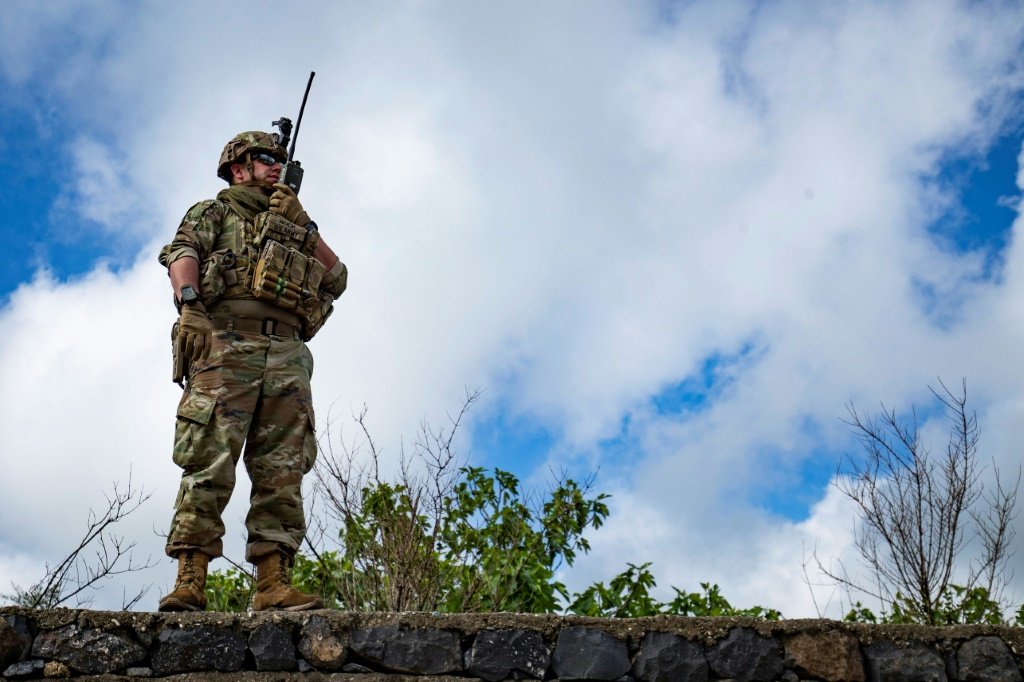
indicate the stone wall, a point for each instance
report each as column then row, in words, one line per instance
column 332, row 645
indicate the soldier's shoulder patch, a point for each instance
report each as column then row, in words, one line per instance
column 209, row 209
column 201, row 208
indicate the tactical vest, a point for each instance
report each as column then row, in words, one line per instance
column 272, row 261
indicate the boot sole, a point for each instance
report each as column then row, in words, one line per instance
column 175, row 605
column 298, row 607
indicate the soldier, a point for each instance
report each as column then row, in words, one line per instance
column 252, row 282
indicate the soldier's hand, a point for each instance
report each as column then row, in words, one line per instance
column 284, row 203
column 195, row 331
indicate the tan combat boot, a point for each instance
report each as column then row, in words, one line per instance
column 188, row 592
column 274, row 589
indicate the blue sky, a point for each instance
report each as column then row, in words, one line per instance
column 670, row 241
column 37, row 223
column 31, row 193
column 985, row 194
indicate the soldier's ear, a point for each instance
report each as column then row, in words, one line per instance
column 239, row 173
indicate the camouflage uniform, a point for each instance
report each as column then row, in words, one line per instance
column 253, row 389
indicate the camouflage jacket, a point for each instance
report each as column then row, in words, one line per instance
column 211, row 229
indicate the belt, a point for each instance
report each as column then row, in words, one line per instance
column 255, row 317
column 268, row 326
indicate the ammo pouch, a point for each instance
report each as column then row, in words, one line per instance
column 224, row 274
column 272, row 227
column 286, row 274
column 280, row 275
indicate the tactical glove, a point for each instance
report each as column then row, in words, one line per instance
column 194, row 333
column 284, row 203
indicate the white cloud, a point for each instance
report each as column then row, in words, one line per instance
column 577, row 196
column 100, row 193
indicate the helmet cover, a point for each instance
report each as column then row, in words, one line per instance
column 252, row 141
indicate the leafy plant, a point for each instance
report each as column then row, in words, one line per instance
column 957, row 605
column 456, row 539
column 627, row 595
column 230, row 589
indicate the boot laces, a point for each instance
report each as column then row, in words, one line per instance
column 284, row 569
column 188, row 570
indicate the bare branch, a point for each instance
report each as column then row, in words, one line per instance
column 918, row 512
column 75, row 577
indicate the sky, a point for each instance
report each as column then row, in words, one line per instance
column 670, row 241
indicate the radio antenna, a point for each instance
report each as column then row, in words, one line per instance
column 298, row 122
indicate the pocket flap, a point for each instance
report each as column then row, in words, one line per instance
column 196, row 407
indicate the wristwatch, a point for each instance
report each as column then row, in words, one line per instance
column 188, row 295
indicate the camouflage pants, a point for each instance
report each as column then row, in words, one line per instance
column 252, row 389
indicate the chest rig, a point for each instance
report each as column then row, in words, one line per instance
column 270, row 260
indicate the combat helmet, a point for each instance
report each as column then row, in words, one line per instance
column 244, row 143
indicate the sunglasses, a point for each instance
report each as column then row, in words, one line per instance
column 266, row 159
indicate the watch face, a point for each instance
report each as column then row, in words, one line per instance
column 188, row 294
